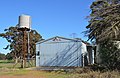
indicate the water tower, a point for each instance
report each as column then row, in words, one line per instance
column 24, row 22
column 24, row 25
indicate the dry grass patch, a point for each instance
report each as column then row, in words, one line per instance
column 88, row 73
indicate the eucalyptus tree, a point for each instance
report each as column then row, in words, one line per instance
column 15, row 38
column 104, row 20
column 104, row 28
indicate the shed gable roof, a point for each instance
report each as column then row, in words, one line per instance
column 58, row 38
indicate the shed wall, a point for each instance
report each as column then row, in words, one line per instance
column 60, row 53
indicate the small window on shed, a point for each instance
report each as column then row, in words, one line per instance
column 38, row 53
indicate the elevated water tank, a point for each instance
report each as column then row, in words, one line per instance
column 25, row 21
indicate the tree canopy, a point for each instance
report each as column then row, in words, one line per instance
column 15, row 38
column 104, row 28
column 2, row 56
column 104, row 20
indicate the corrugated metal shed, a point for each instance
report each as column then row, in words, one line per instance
column 60, row 51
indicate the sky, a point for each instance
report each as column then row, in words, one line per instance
column 49, row 17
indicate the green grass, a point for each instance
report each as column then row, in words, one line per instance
column 30, row 73
column 14, row 72
column 6, row 61
column 58, row 74
column 8, row 64
column 6, row 69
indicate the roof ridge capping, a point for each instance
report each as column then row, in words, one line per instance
column 73, row 39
